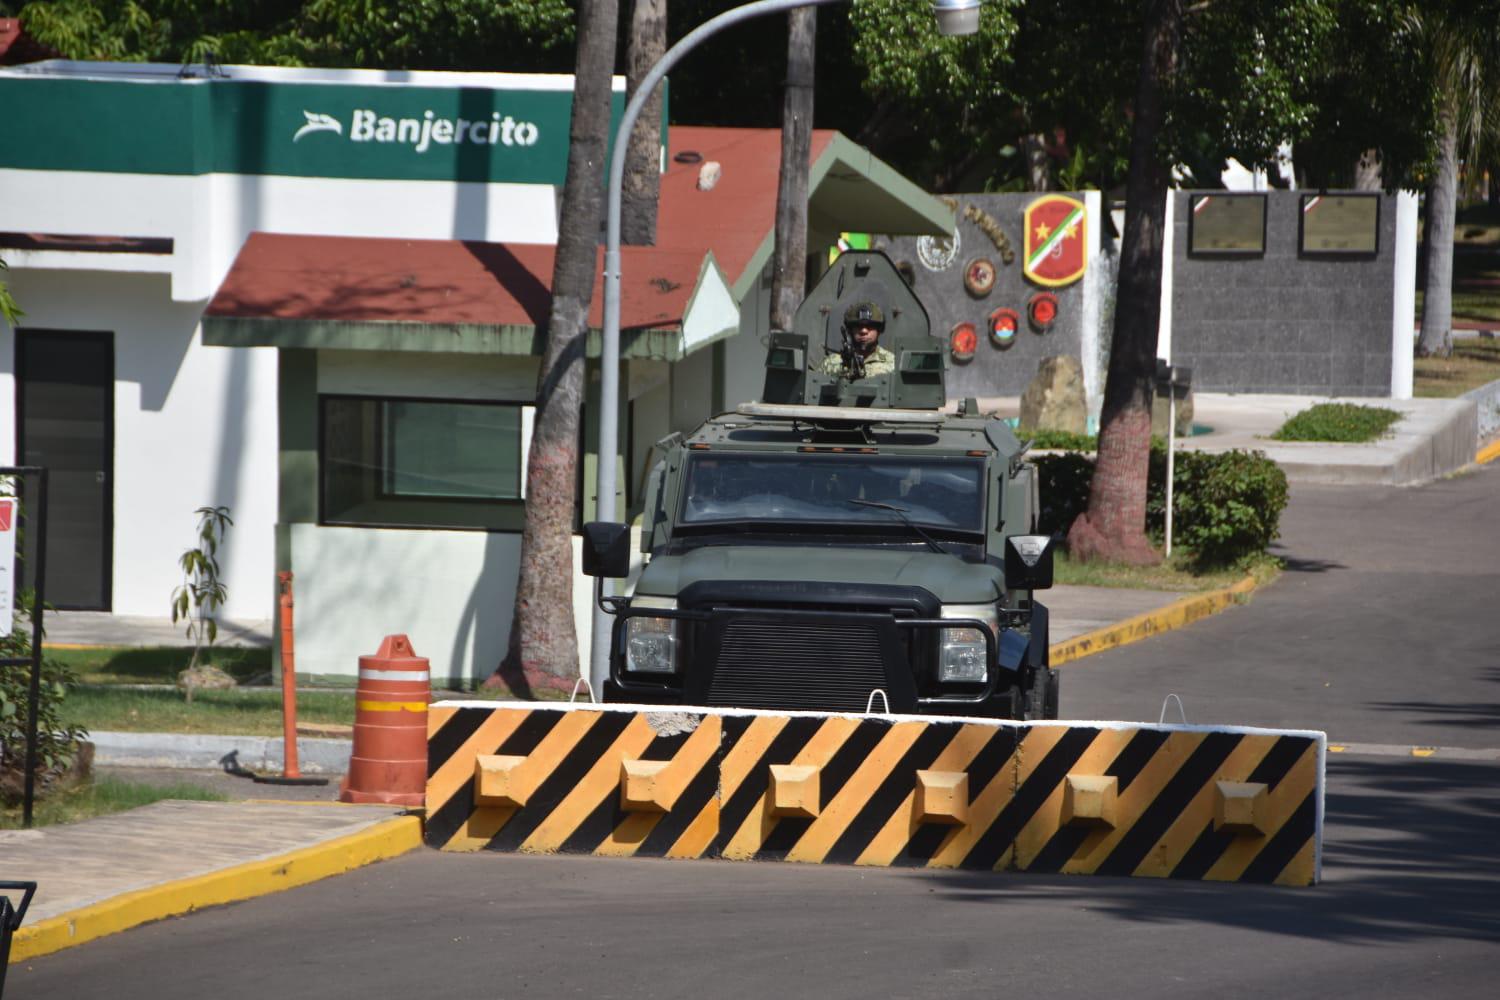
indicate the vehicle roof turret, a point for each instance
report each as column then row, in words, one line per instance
column 795, row 360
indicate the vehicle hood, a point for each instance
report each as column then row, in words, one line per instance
column 948, row 578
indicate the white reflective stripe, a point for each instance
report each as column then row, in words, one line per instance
column 373, row 674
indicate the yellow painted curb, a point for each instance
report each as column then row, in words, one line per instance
column 1143, row 626
column 1488, row 453
column 388, row 839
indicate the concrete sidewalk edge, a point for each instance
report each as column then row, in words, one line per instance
column 1144, row 626
column 387, row 839
column 1488, row 453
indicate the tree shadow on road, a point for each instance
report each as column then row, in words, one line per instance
column 1292, row 564
column 1462, row 714
column 1410, row 854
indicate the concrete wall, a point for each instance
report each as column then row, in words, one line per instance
column 451, row 592
column 1284, row 323
column 996, row 372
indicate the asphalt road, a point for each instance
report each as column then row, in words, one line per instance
column 1383, row 631
column 1385, row 628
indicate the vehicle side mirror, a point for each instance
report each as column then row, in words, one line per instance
column 606, row 549
column 1028, row 562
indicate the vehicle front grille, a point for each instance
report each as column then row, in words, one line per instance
column 766, row 662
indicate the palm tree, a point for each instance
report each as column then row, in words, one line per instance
column 543, row 649
column 642, row 185
column 1462, row 43
column 1113, row 529
column 789, row 268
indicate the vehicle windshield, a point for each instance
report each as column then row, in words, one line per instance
column 820, row 488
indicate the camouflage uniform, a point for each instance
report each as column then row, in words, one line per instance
column 880, row 362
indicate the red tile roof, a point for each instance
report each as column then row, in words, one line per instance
column 733, row 218
column 17, row 47
column 453, row 282
column 362, row 279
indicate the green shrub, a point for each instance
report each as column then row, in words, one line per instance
column 57, row 744
column 1347, row 423
column 1054, row 440
column 1226, row 507
column 1044, row 440
column 1063, row 488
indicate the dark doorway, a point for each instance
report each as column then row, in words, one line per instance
column 65, row 400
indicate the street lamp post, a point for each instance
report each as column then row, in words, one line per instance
column 954, row 17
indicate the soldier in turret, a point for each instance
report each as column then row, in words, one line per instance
column 862, row 356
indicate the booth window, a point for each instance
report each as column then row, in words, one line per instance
column 388, row 462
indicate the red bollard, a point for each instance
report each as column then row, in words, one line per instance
column 389, row 762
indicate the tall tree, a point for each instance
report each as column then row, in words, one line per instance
column 789, row 269
column 1462, row 42
column 516, row 35
column 1113, row 527
column 543, row 649
column 642, row 185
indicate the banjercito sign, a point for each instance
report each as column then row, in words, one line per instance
column 116, row 118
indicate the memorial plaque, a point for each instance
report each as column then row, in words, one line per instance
column 1340, row 224
column 1226, row 224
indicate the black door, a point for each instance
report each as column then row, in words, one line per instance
column 65, row 397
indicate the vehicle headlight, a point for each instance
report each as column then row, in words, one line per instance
column 651, row 643
column 962, row 657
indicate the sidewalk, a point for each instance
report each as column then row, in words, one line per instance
column 100, row 628
column 1435, row 437
column 116, row 872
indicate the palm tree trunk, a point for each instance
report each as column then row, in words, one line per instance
column 642, row 186
column 1442, row 213
column 1368, row 175
column 1038, row 165
column 543, row 650
column 789, row 269
column 1113, row 528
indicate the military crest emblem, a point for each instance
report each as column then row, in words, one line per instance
column 1056, row 253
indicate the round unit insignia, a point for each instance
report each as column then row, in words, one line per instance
column 962, row 342
column 1042, row 310
column 1003, row 326
column 937, row 252
column 979, row 277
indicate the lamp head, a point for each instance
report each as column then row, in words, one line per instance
column 956, row 17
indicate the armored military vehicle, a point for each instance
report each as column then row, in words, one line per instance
column 846, row 544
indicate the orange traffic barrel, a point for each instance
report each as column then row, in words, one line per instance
column 389, row 762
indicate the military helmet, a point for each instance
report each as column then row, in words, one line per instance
column 862, row 313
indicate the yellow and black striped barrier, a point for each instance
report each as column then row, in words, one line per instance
column 1191, row 802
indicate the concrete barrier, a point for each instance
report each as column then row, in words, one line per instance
column 1190, row 802
column 1487, row 399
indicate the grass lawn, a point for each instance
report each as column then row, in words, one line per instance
column 1475, row 362
column 1476, row 267
column 159, row 664
column 1348, row 423
column 101, row 797
column 247, row 712
column 1175, row 574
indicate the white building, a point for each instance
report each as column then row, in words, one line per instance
column 403, row 227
